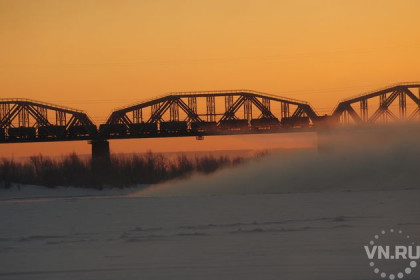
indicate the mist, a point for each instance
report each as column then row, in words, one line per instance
column 365, row 158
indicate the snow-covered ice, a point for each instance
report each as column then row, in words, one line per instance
column 304, row 216
column 263, row 236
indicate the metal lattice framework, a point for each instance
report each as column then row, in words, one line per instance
column 384, row 103
column 29, row 120
column 223, row 110
column 201, row 113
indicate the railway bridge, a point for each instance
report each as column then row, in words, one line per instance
column 199, row 114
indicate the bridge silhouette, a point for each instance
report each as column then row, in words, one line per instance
column 195, row 114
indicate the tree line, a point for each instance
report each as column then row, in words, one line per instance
column 120, row 171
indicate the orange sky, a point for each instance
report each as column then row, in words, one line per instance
column 98, row 55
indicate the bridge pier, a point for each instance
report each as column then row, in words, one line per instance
column 101, row 154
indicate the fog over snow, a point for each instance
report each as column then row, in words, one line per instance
column 304, row 215
column 354, row 159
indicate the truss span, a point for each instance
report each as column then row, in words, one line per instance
column 207, row 112
column 202, row 113
column 25, row 120
column 399, row 102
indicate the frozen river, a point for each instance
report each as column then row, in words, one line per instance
column 257, row 236
column 301, row 216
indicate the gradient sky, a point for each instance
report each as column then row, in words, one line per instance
column 98, row 55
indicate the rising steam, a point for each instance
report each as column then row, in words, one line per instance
column 349, row 159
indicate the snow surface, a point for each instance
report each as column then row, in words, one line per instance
column 300, row 217
column 262, row 236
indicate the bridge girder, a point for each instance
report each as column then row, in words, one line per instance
column 27, row 120
column 23, row 120
column 235, row 101
column 387, row 97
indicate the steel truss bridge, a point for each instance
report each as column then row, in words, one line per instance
column 200, row 114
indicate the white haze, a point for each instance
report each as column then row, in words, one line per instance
column 349, row 159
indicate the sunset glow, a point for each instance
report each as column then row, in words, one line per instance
column 98, row 55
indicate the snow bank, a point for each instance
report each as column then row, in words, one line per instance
column 31, row 192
